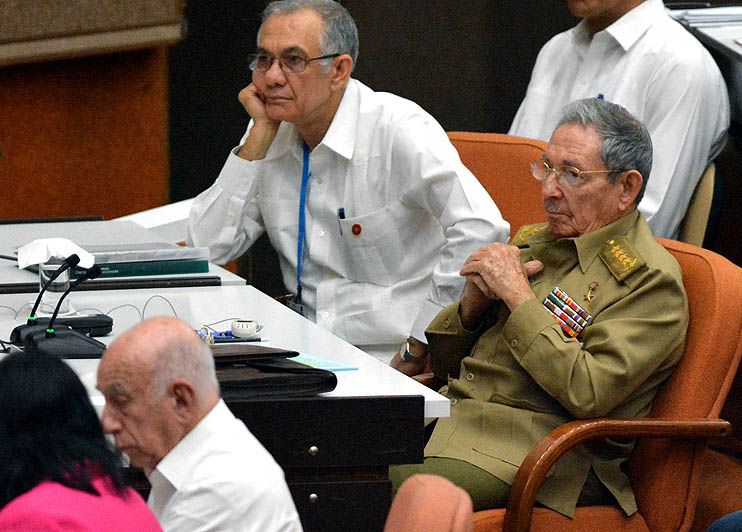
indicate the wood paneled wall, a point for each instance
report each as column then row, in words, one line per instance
column 86, row 136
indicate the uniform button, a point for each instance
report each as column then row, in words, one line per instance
column 321, row 232
column 318, row 180
column 446, row 323
column 514, row 342
column 470, row 376
column 324, row 314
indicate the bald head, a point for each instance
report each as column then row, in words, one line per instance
column 166, row 349
column 158, row 380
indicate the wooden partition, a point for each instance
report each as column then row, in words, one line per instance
column 83, row 106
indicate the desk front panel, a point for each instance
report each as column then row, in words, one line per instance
column 336, row 453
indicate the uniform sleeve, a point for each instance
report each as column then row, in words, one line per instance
column 449, row 343
column 225, row 217
column 687, row 114
column 628, row 349
column 439, row 183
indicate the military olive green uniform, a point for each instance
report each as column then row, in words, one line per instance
column 519, row 376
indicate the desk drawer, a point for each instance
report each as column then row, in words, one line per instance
column 360, row 506
column 337, row 432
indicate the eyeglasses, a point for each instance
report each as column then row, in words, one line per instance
column 567, row 175
column 294, row 64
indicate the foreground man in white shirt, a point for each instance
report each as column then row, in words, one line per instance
column 632, row 53
column 372, row 243
column 207, row 471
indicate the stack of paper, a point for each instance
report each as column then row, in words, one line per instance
column 155, row 258
column 712, row 16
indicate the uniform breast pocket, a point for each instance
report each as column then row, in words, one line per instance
column 372, row 247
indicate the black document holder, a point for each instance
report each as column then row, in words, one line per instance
column 272, row 377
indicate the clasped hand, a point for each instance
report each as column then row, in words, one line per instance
column 495, row 272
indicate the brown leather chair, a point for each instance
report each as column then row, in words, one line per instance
column 502, row 165
column 429, row 503
column 666, row 466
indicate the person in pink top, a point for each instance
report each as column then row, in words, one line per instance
column 57, row 470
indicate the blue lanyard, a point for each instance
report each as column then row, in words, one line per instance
column 305, row 175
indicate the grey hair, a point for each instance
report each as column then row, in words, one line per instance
column 340, row 34
column 625, row 142
column 185, row 358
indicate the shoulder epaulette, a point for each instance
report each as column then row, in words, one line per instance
column 528, row 233
column 621, row 257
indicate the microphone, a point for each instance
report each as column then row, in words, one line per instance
column 20, row 332
column 65, row 342
column 91, row 273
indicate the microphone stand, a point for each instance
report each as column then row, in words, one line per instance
column 65, row 342
column 21, row 331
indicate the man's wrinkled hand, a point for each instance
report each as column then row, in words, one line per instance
column 497, row 272
column 264, row 128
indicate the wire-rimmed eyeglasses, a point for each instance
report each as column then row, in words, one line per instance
column 567, row 175
column 291, row 63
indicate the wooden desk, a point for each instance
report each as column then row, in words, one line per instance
column 335, row 448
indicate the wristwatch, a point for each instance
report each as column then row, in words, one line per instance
column 407, row 356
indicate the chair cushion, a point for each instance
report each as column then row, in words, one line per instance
column 592, row 518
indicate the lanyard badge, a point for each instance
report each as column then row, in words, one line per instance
column 295, row 303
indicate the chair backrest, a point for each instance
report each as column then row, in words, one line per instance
column 696, row 219
column 429, row 503
column 501, row 163
column 665, row 475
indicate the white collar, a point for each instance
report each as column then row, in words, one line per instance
column 626, row 30
column 340, row 136
column 188, row 452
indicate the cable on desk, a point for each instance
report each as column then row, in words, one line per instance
column 5, row 346
column 209, row 325
column 20, row 309
column 126, row 305
column 157, row 296
column 86, row 309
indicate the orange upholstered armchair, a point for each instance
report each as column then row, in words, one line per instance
column 666, row 465
column 501, row 163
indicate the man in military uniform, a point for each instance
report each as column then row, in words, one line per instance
column 583, row 316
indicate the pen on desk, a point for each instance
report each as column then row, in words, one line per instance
column 238, row 340
column 256, row 339
column 341, row 216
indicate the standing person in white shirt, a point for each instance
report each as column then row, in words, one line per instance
column 361, row 193
column 207, row 471
column 632, row 53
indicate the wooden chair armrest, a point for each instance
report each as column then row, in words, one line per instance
column 545, row 454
